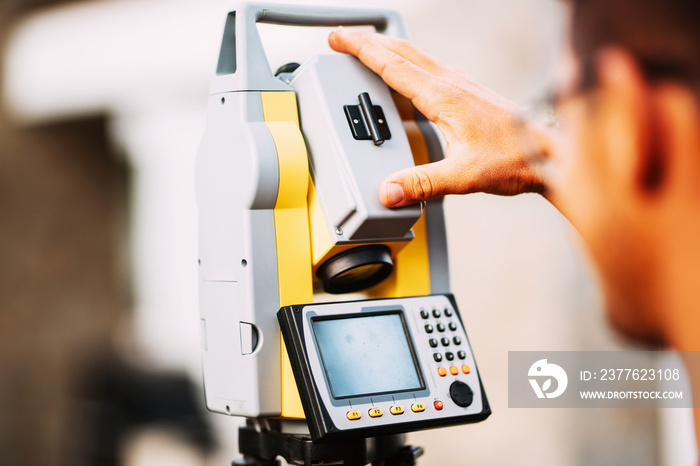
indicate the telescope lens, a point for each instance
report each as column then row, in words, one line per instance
column 361, row 273
column 356, row 269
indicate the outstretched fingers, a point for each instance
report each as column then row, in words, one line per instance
column 418, row 57
column 425, row 90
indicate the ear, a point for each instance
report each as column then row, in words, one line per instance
column 630, row 123
column 677, row 129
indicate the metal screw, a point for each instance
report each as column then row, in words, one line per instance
column 339, row 232
column 356, row 121
column 380, row 121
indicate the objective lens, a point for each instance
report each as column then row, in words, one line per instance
column 356, row 269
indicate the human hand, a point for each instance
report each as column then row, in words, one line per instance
column 489, row 146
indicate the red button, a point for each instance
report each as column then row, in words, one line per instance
column 438, row 405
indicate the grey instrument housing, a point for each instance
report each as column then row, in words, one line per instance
column 347, row 172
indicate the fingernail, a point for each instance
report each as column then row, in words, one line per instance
column 394, row 193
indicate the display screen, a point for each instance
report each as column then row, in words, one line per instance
column 366, row 354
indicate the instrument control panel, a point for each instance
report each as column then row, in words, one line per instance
column 383, row 366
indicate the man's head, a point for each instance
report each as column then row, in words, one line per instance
column 630, row 183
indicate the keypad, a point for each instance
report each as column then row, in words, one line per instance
column 442, row 322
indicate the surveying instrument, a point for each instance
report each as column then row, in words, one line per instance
column 326, row 317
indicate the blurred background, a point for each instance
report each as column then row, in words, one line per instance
column 103, row 107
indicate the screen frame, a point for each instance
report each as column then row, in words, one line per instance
column 355, row 315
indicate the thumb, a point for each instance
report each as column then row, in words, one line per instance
column 415, row 184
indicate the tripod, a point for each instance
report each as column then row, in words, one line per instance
column 261, row 441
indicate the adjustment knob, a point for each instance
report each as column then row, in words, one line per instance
column 461, row 394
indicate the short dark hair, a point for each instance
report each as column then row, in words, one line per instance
column 663, row 35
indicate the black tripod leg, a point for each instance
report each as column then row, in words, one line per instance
column 407, row 456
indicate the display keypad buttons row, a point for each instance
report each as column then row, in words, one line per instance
column 378, row 412
column 454, row 370
column 449, row 356
column 440, row 327
column 436, row 313
column 433, row 342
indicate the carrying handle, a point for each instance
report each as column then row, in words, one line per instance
column 242, row 54
column 325, row 16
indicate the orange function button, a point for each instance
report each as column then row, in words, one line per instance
column 354, row 415
column 376, row 412
column 442, row 372
column 466, row 369
column 417, row 407
column 398, row 409
column 438, row 405
column 454, row 370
